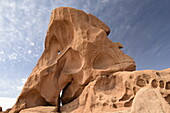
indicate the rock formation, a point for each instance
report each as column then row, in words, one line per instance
column 127, row 92
column 91, row 71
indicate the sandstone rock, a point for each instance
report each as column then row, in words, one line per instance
column 91, row 71
column 7, row 110
column 121, row 91
column 150, row 101
column 77, row 51
column 39, row 109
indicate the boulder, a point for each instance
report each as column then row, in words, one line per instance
column 82, row 71
column 150, row 100
column 77, row 51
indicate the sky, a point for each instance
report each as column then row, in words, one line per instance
column 142, row 26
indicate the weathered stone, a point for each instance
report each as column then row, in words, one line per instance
column 150, row 100
column 77, row 51
column 40, row 109
column 119, row 93
column 91, row 71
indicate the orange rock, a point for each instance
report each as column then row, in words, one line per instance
column 77, row 51
column 91, row 71
column 39, row 109
column 145, row 91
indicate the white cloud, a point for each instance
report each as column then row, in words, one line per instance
column 11, row 87
column 29, row 51
column 1, row 52
column 32, row 43
column 6, row 103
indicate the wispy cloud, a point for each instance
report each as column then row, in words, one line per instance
column 11, row 87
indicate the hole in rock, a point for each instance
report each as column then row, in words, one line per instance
column 58, row 52
column 114, row 106
column 131, row 77
column 65, row 98
column 73, row 62
column 106, row 83
column 157, row 73
column 55, row 46
column 168, row 85
column 60, row 101
column 161, row 84
column 128, row 104
column 126, row 96
column 105, row 104
column 140, row 83
column 104, row 61
column 167, row 98
column 154, row 83
column 147, row 78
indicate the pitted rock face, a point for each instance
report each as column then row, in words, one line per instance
column 77, row 51
column 145, row 91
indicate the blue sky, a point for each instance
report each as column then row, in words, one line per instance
column 142, row 26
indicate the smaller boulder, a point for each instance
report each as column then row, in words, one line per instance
column 149, row 101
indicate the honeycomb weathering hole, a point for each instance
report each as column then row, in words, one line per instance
column 103, row 61
column 126, row 96
column 167, row 98
column 106, row 83
column 73, row 63
column 129, row 103
column 154, row 83
column 168, row 86
column 140, row 83
column 161, row 84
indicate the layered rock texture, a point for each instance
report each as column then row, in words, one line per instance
column 88, row 73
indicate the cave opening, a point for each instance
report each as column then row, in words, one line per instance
column 58, row 52
column 60, row 100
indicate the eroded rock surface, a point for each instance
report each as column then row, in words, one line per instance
column 94, row 75
column 149, row 100
column 77, row 51
column 125, row 92
column 145, row 91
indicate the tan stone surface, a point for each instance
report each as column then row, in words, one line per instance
column 39, row 109
column 123, row 92
column 94, row 75
column 141, row 91
column 150, row 101
column 77, row 51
